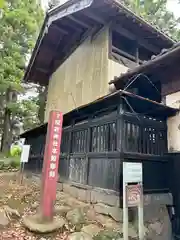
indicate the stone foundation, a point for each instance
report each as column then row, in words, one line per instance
column 106, row 202
column 109, row 197
column 156, row 217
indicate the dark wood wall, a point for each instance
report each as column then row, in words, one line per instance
column 175, row 189
column 94, row 148
column 171, row 85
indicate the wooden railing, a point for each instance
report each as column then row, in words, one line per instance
column 92, row 151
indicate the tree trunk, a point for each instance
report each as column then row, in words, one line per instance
column 7, row 133
column 42, row 104
column 6, row 138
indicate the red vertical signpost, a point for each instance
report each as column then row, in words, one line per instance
column 50, row 164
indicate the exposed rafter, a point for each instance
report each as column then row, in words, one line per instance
column 69, row 48
column 41, row 69
column 59, row 29
column 79, row 22
column 94, row 17
column 119, row 29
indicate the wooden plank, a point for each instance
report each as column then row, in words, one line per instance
column 68, row 10
column 59, row 29
column 119, row 29
column 94, row 17
column 79, row 22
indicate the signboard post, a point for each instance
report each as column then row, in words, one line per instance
column 50, row 164
column 132, row 195
column 24, row 159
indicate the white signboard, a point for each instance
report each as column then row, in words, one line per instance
column 25, row 153
column 22, row 141
column 132, row 196
column 132, row 172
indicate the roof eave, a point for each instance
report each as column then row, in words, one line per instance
column 147, row 66
column 144, row 22
column 54, row 11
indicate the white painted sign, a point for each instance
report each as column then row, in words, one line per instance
column 133, row 196
column 132, row 172
column 25, row 153
column 22, row 141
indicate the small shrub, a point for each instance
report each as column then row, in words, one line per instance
column 1, row 166
column 15, row 163
column 15, row 151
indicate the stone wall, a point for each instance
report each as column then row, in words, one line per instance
column 106, row 209
column 156, row 217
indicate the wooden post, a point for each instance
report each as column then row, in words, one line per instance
column 141, row 215
column 125, row 213
column 50, row 164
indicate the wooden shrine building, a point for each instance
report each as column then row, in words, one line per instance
column 95, row 57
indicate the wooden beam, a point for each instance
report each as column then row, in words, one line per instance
column 59, row 57
column 80, row 39
column 119, row 29
column 94, row 17
column 137, row 54
column 59, row 29
column 67, row 24
column 42, row 69
column 82, row 24
column 125, row 54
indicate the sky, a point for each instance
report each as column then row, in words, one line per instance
column 174, row 7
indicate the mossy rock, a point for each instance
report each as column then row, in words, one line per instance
column 1, row 165
column 76, row 216
column 108, row 235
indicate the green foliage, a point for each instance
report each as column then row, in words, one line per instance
column 20, row 23
column 18, row 31
column 15, row 151
column 9, row 163
column 53, row 3
column 108, row 235
column 156, row 13
column 15, row 163
column 26, row 111
column 1, row 3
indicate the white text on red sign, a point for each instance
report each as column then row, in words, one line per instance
column 55, row 145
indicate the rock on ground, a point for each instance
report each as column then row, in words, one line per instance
column 132, row 232
column 108, row 235
column 62, row 210
column 91, row 229
column 79, row 236
column 4, row 221
column 76, row 216
column 114, row 212
column 108, row 222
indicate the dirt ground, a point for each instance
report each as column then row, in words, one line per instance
column 24, row 199
column 17, row 201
